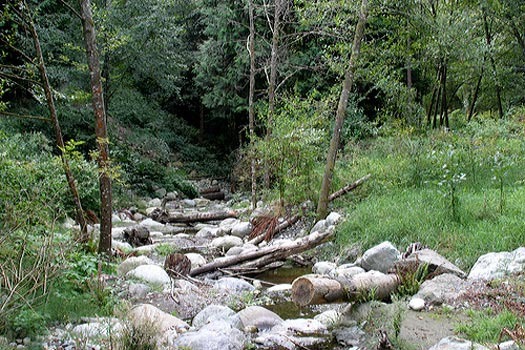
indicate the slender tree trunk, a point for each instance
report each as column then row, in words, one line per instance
column 322, row 205
column 488, row 39
column 474, row 99
column 201, row 123
column 274, row 60
column 443, row 119
column 431, row 107
column 251, row 109
column 100, row 128
column 84, row 237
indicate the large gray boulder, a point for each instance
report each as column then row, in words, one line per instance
column 226, row 242
column 151, row 274
column 437, row 264
column 258, row 317
column 455, row 343
column 197, row 260
column 381, row 258
column 497, row 265
column 241, row 229
column 234, row 285
column 293, row 334
column 442, row 289
column 218, row 335
column 133, row 262
column 213, row 313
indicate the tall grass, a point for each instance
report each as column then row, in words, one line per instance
column 461, row 193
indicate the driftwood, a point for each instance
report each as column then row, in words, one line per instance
column 348, row 188
column 164, row 216
column 214, row 196
column 319, row 289
column 210, row 190
column 253, row 260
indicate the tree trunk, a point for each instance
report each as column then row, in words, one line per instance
column 443, row 119
column 251, row 108
column 318, row 289
column 475, row 95
column 84, row 237
column 322, row 205
column 488, row 39
column 100, row 127
column 257, row 259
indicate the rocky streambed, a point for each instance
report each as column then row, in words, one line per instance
column 222, row 310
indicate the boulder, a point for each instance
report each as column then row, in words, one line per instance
column 329, row 318
column 226, row 242
column 152, row 274
column 138, row 290
column 436, row 263
column 218, row 335
column 351, row 337
column 122, row 246
column 333, row 218
column 102, row 328
column 442, row 289
column 132, row 262
column 161, row 192
column 381, row 258
column 416, row 304
column 117, row 232
column 241, row 229
column 346, row 271
column 320, row 226
column 155, row 202
column 234, row 285
column 152, row 224
column 207, row 232
column 455, row 343
column 226, row 225
column 293, row 334
column 196, row 259
column 323, row 267
column 258, row 317
column 497, row 265
column 213, row 313
column 146, row 315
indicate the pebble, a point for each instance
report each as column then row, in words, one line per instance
column 416, row 304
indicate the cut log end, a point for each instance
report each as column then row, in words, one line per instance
column 312, row 289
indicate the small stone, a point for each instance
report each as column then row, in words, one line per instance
column 323, row 267
column 416, row 304
column 156, row 202
column 333, row 218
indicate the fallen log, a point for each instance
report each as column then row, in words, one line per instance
column 214, row 196
column 263, row 256
column 210, row 190
column 318, row 289
column 164, row 216
column 348, row 188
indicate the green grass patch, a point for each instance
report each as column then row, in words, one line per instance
column 485, row 326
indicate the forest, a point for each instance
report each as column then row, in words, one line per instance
column 105, row 102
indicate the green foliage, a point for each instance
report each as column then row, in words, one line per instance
column 296, row 147
column 485, row 326
column 406, row 172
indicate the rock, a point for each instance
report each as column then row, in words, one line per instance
column 280, row 288
column 115, row 218
column 350, row 336
column 172, row 196
column 151, row 224
column 133, row 262
column 242, row 229
column 508, row 345
column 442, row 289
column 226, row 225
column 138, row 216
column 155, row 202
column 346, row 271
column 117, row 232
column 234, row 285
column 138, row 290
column 239, row 250
column 215, row 313
column 103, row 328
column 161, row 192
column 137, row 236
column 201, row 202
column 380, row 258
column 323, row 267
column 436, row 263
column 197, row 260
column 207, row 232
column 259, row 317
column 122, row 246
column 455, row 343
column 320, row 226
column 416, row 304
column 497, row 265
column 333, row 218
column 217, row 335
column 293, row 334
column 146, row 315
column 152, row 274
column 69, row 223
column 190, row 203
column 328, row 318
column 226, row 242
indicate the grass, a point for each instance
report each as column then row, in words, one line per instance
column 486, row 327
column 441, row 189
